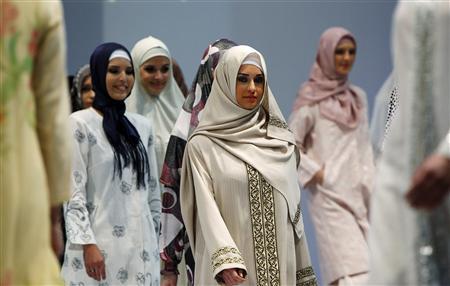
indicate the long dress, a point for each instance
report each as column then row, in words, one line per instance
column 111, row 212
column 410, row 247
column 243, row 222
column 340, row 206
column 34, row 138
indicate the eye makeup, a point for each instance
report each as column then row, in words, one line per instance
column 342, row 51
column 153, row 69
column 245, row 78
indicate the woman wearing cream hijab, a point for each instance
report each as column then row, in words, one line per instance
column 156, row 94
column 241, row 200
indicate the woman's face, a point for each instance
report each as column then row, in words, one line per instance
column 249, row 86
column 344, row 56
column 119, row 78
column 155, row 74
column 86, row 92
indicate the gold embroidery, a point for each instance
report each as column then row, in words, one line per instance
column 297, row 216
column 306, row 272
column 262, row 210
column 227, row 260
column 310, row 282
column 225, row 250
column 277, row 122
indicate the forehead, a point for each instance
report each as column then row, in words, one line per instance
column 345, row 42
column 119, row 62
column 157, row 61
column 249, row 69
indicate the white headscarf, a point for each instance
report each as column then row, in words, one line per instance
column 163, row 109
column 259, row 137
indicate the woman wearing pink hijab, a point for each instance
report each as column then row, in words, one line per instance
column 330, row 124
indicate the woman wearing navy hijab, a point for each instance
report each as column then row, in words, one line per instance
column 112, row 218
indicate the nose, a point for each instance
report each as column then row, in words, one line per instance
column 158, row 74
column 123, row 76
column 347, row 55
column 251, row 86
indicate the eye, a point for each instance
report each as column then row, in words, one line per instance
column 129, row 71
column 114, row 70
column 165, row 69
column 259, row 79
column 352, row 51
column 86, row 88
column 242, row 78
column 339, row 51
column 150, row 69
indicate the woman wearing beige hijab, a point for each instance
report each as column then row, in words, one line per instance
column 241, row 200
column 156, row 94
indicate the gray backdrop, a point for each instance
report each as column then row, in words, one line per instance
column 285, row 32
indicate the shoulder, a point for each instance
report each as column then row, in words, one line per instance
column 84, row 117
column 197, row 143
column 139, row 121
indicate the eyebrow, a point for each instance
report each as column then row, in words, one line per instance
column 240, row 73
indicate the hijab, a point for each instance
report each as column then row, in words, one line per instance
column 259, row 137
column 163, row 109
column 79, row 78
column 337, row 99
column 120, row 132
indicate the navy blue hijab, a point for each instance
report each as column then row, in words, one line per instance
column 121, row 133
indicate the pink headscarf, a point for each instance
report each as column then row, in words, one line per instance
column 337, row 100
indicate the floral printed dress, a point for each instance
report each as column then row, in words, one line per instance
column 111, row 211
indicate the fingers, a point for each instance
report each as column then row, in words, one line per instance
column 96, row 271
column 232, row 277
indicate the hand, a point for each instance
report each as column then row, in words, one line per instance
column 56, row 231
column 169, row 279
column 430, row 183
column 94, row 262
column 233, row 276
column 317, row 179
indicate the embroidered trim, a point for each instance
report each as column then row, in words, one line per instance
column 225, row 250
column 227, row 260
column 297, row 216
column 277, row 122
column 262, row 210
column 310, row 282
column 305, row 273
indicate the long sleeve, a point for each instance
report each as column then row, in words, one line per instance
column 78, row 225
column 305, row 275
column 52, row 109
column 301, row 123
column 154, row 198
column 444, row 147
column 198, row 191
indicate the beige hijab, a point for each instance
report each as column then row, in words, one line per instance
column 259, row 137
column 163, row 109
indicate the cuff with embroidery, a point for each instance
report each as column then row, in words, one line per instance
column 226, row 258
column 306, row 277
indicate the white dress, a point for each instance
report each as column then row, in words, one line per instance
column 409, row 247
column 111, row 212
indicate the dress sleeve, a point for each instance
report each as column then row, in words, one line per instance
column 78, row 226
column 52, row 102
column 200, row 212
column 154, row 198
column 444, row 147
column 305, row 275
column 301, row 122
